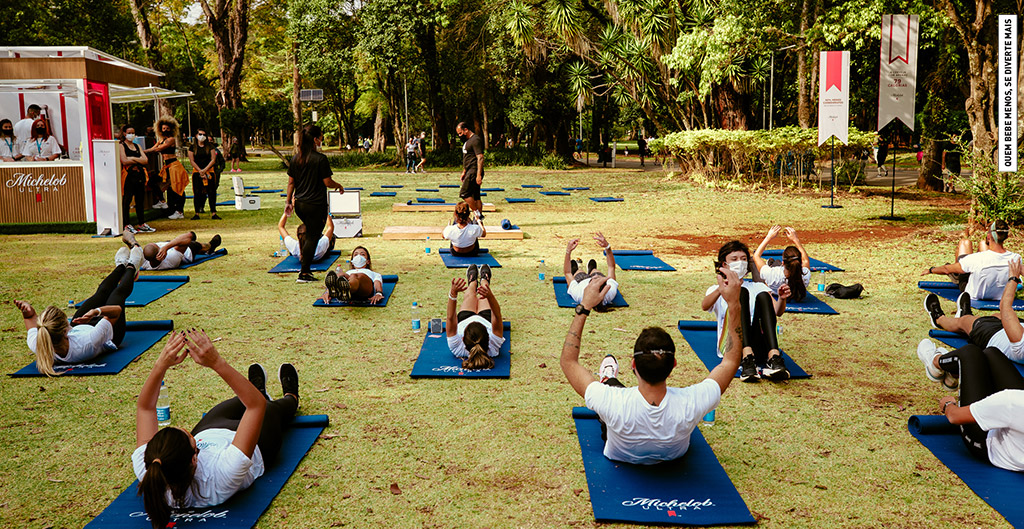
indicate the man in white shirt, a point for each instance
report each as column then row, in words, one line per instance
column 23, row 128
column 652, row 422
column 169, row 255
column 981, row 274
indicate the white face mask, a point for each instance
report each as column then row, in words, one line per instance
column 130, row 137
column 740, row 267
column 359, row 261
column 200, row 137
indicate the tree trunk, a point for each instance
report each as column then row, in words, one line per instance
column 803, row 82
column 427, row 39
column 228, row 21
column 296, row 86
column 977, row 37
column 378, row 144
column 930, row 177
column 484, row 124
column 733, row 107
column 150, row 43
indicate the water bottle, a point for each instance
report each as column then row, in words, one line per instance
column 541, row 270
column 427, row 250
column 709, row 419
column 821, row 281
column 71, row 305
column 778, row 332
column 283, row 250
column 163, row 407
column 415, row 317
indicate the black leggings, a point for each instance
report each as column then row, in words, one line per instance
column 113, row 290
column 759, row 334
column 201, row 193
column 134, row 188
column 229, row 413
column 175, row 202
column 314, row 216
column 982, row 373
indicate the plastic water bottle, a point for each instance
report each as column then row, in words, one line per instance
column 415, row 317
column 71, row 305
column 821, row 281
column 427, row 250
column 163, row 406
column 541, row 270
column 778, row 331
column 709, row 419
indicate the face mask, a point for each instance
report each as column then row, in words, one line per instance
column 165, row 132
column 740, row 267
column 40, row 131
column 8, row 132
column 200, row 136
column 130, row 137
column 359, row 261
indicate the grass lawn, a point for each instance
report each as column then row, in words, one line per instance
column 831, row 451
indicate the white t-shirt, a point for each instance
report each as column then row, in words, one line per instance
column 23, row 130
column 1000, row 415
column 575, row 290
column 1013, row 351
column 221, row 470
column 374, row 276
column 989, row 272
column 41, row 148
column 643, row 434
column 721, row 308
column 494, row 342
column 462, row 237
column 775, row 277
column 85, row 342
column 9, row 148
column 321, row 247
column 172, row 260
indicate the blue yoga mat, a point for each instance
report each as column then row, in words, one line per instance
column 138, row 338
column 640, row 260
column 950, row 291
column 429, row 200
column 252, row 187
column 387, row 284
column 244, row 508
column 816, row 265
column 148, row 289
column 226, row 203
column 353, row 189
column 519, row 200
column 484, row 257
column 437, row 361
column 576, row 188
column 554, row 193
column 691, row 490
column 956, row 340
column 564, row 300
column 703, row 337
column 998, row 487
column 810, row 305
column 427, row 190
column 202, row 258
column 531, row 186
column 391, row 186
column 450, row 186
column 268, row 191
column 292, row 264
column 383, row 194
column 492, row 189
column 606, row 199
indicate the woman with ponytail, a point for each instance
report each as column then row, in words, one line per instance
column 173, row 173
column 476, row 333
column 97, row 327
column 230, row 447
column 796, row 265
column 465, row 231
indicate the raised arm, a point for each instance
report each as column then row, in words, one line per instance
column 458, row 285
column 609, row 256
column 281, row 230
column 483, row 229
column 330, row 227
column 759, row 261
column 497, row 326
column 729, row 287
column 145, row 407
column 1012, row 326
column 580, row 377
column 567, row 263
column 179, row 243
column 709, row 300
column 27, row 313
column 805, row 260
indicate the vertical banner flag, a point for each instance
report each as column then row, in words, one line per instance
column 897, row 73
column 1007, row 93
column 834, row 96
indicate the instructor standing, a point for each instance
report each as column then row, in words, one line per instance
column 309, row 176
column 472, row 168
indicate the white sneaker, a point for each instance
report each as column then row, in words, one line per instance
column 160, row 205
column 176, row 216
column 926, row 352
column 135, row 258
column 144, row 228
column 129, row 228
column 609, row 368
column 121, row 257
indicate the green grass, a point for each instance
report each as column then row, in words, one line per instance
column 831, row 451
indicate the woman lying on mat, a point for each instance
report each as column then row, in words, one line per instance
column 229, row 448
column 97, row 327
column 760, row 343
column 465, row 231
column 294, row 246
column 476, row 333
column 360, row 283
column 578, row 279
column 795, row 270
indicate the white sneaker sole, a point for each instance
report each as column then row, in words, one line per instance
column 926, row 352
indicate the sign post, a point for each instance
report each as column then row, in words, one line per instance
column 897, row 82
column 1007, row 93
column 834, row 105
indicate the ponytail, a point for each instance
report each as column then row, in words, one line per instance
column 168, row 460
column 152, row 488
column 476, row 340
column 52, row 323
column 306, row 144
column 793, row 265
column 462, row 212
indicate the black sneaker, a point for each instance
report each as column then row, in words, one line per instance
column 574, row 267
column 748, row 369
column 289, row 379
column 485, row 273
column 215, row 217
column 214, row 243
column 591, row 266
column 195, row 217
column 305, row 278
column 934, row 308
column 471, row 273
column 258, row 377
column 776, row 368
column 963, row 305
column 337, row 287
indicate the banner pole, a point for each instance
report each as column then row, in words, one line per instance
column 832, row 200
column 892, row 200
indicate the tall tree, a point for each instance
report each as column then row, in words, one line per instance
column 228, row 21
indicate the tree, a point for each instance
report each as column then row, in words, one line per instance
column 228, row 21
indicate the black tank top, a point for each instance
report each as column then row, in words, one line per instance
column 132, row 151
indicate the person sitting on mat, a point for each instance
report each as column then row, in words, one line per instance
column 760, row 342
column 169, row 255
column 97, row 327
column 651, row 422
column 795, row 270
column 981, row 274
column 228, row 449
column 578, row 279
column 477, row 332
column 465, row 231
column 360, row 283
column 294, row 246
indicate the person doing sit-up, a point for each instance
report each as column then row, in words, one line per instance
column 294, row 246
column 760, row 341
column 578, row 279
column 228, row 449
column 476, row 332
column 651, row 422
column 97, row 327
column 360, row 283
column 981, row 274
column 168, row 255
column 795, row 270
column 465, row 231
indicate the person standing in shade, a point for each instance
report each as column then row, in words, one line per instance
column 422, row 144
column 133, row 175
column 173, row 173
column 472, row 168
column 23, row 128
column 641, row 147
column 203, row 155
column 9, row 149
column 309, row 176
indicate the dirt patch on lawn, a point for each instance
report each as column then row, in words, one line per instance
column 709, row 244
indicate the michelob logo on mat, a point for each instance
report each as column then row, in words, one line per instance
column 671, row 506
column 44, row 194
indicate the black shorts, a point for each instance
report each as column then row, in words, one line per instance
column 466, row 314
column 470, row 189
column 985, row 327
column 466, row 252
column 961, row 279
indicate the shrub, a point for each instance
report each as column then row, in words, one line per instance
column 994, row 194
column 554, row 162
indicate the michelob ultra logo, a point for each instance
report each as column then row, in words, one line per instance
column 671, row 505
column 36, row 180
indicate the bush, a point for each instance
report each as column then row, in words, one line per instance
column 517, row 155
column 994, row 194
column 554, row 162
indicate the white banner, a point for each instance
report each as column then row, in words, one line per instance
column 1007, row 91
column 834, row 96
column 897, row 74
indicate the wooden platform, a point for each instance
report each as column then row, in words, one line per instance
column 434, row 232
column 427, row 206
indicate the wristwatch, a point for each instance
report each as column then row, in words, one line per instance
column 1016, row 278
column 581, row 310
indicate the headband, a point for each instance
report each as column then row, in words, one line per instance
column 994, row 232
column 653, row 352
